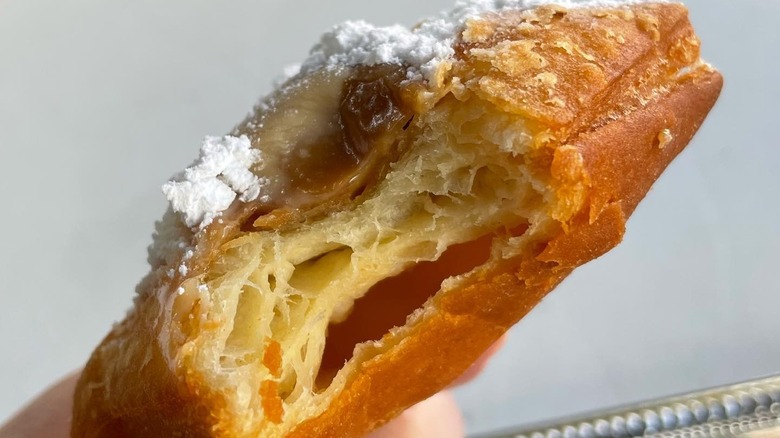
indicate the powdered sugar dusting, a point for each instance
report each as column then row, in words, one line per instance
column 223, row 173
column 358, row 42
column 170, row 239
column 211, row 184
column 425, row 48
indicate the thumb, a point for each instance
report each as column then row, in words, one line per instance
column 48, row 416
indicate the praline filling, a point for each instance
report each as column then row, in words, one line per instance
column 351, row 150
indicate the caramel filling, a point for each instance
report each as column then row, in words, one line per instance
column 364, row 132
column 348, row 147
column 326, row 140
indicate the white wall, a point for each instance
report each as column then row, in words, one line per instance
column 101, row 101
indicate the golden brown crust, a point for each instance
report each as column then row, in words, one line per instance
column 149, row 387
column 601, row 87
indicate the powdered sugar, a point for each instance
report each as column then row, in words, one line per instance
column 222, row 172
column 170, row 239
column 211, row 184
column 358, row 42
column 427, row 46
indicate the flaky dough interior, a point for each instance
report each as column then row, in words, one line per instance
column 465, row 180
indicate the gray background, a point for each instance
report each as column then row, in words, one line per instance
column 101, row 101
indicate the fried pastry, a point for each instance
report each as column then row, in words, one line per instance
column 392, row 209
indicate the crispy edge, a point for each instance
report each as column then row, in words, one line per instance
column 128, row 389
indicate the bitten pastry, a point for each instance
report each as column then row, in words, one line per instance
column 389, row 211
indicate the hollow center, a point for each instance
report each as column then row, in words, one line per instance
column 388, row 303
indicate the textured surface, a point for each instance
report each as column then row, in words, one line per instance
column 106, row 91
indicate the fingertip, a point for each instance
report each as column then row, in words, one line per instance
column 479, row 365
column 437, row 416
column 47, row 416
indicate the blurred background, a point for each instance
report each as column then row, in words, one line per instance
column 101, row 101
